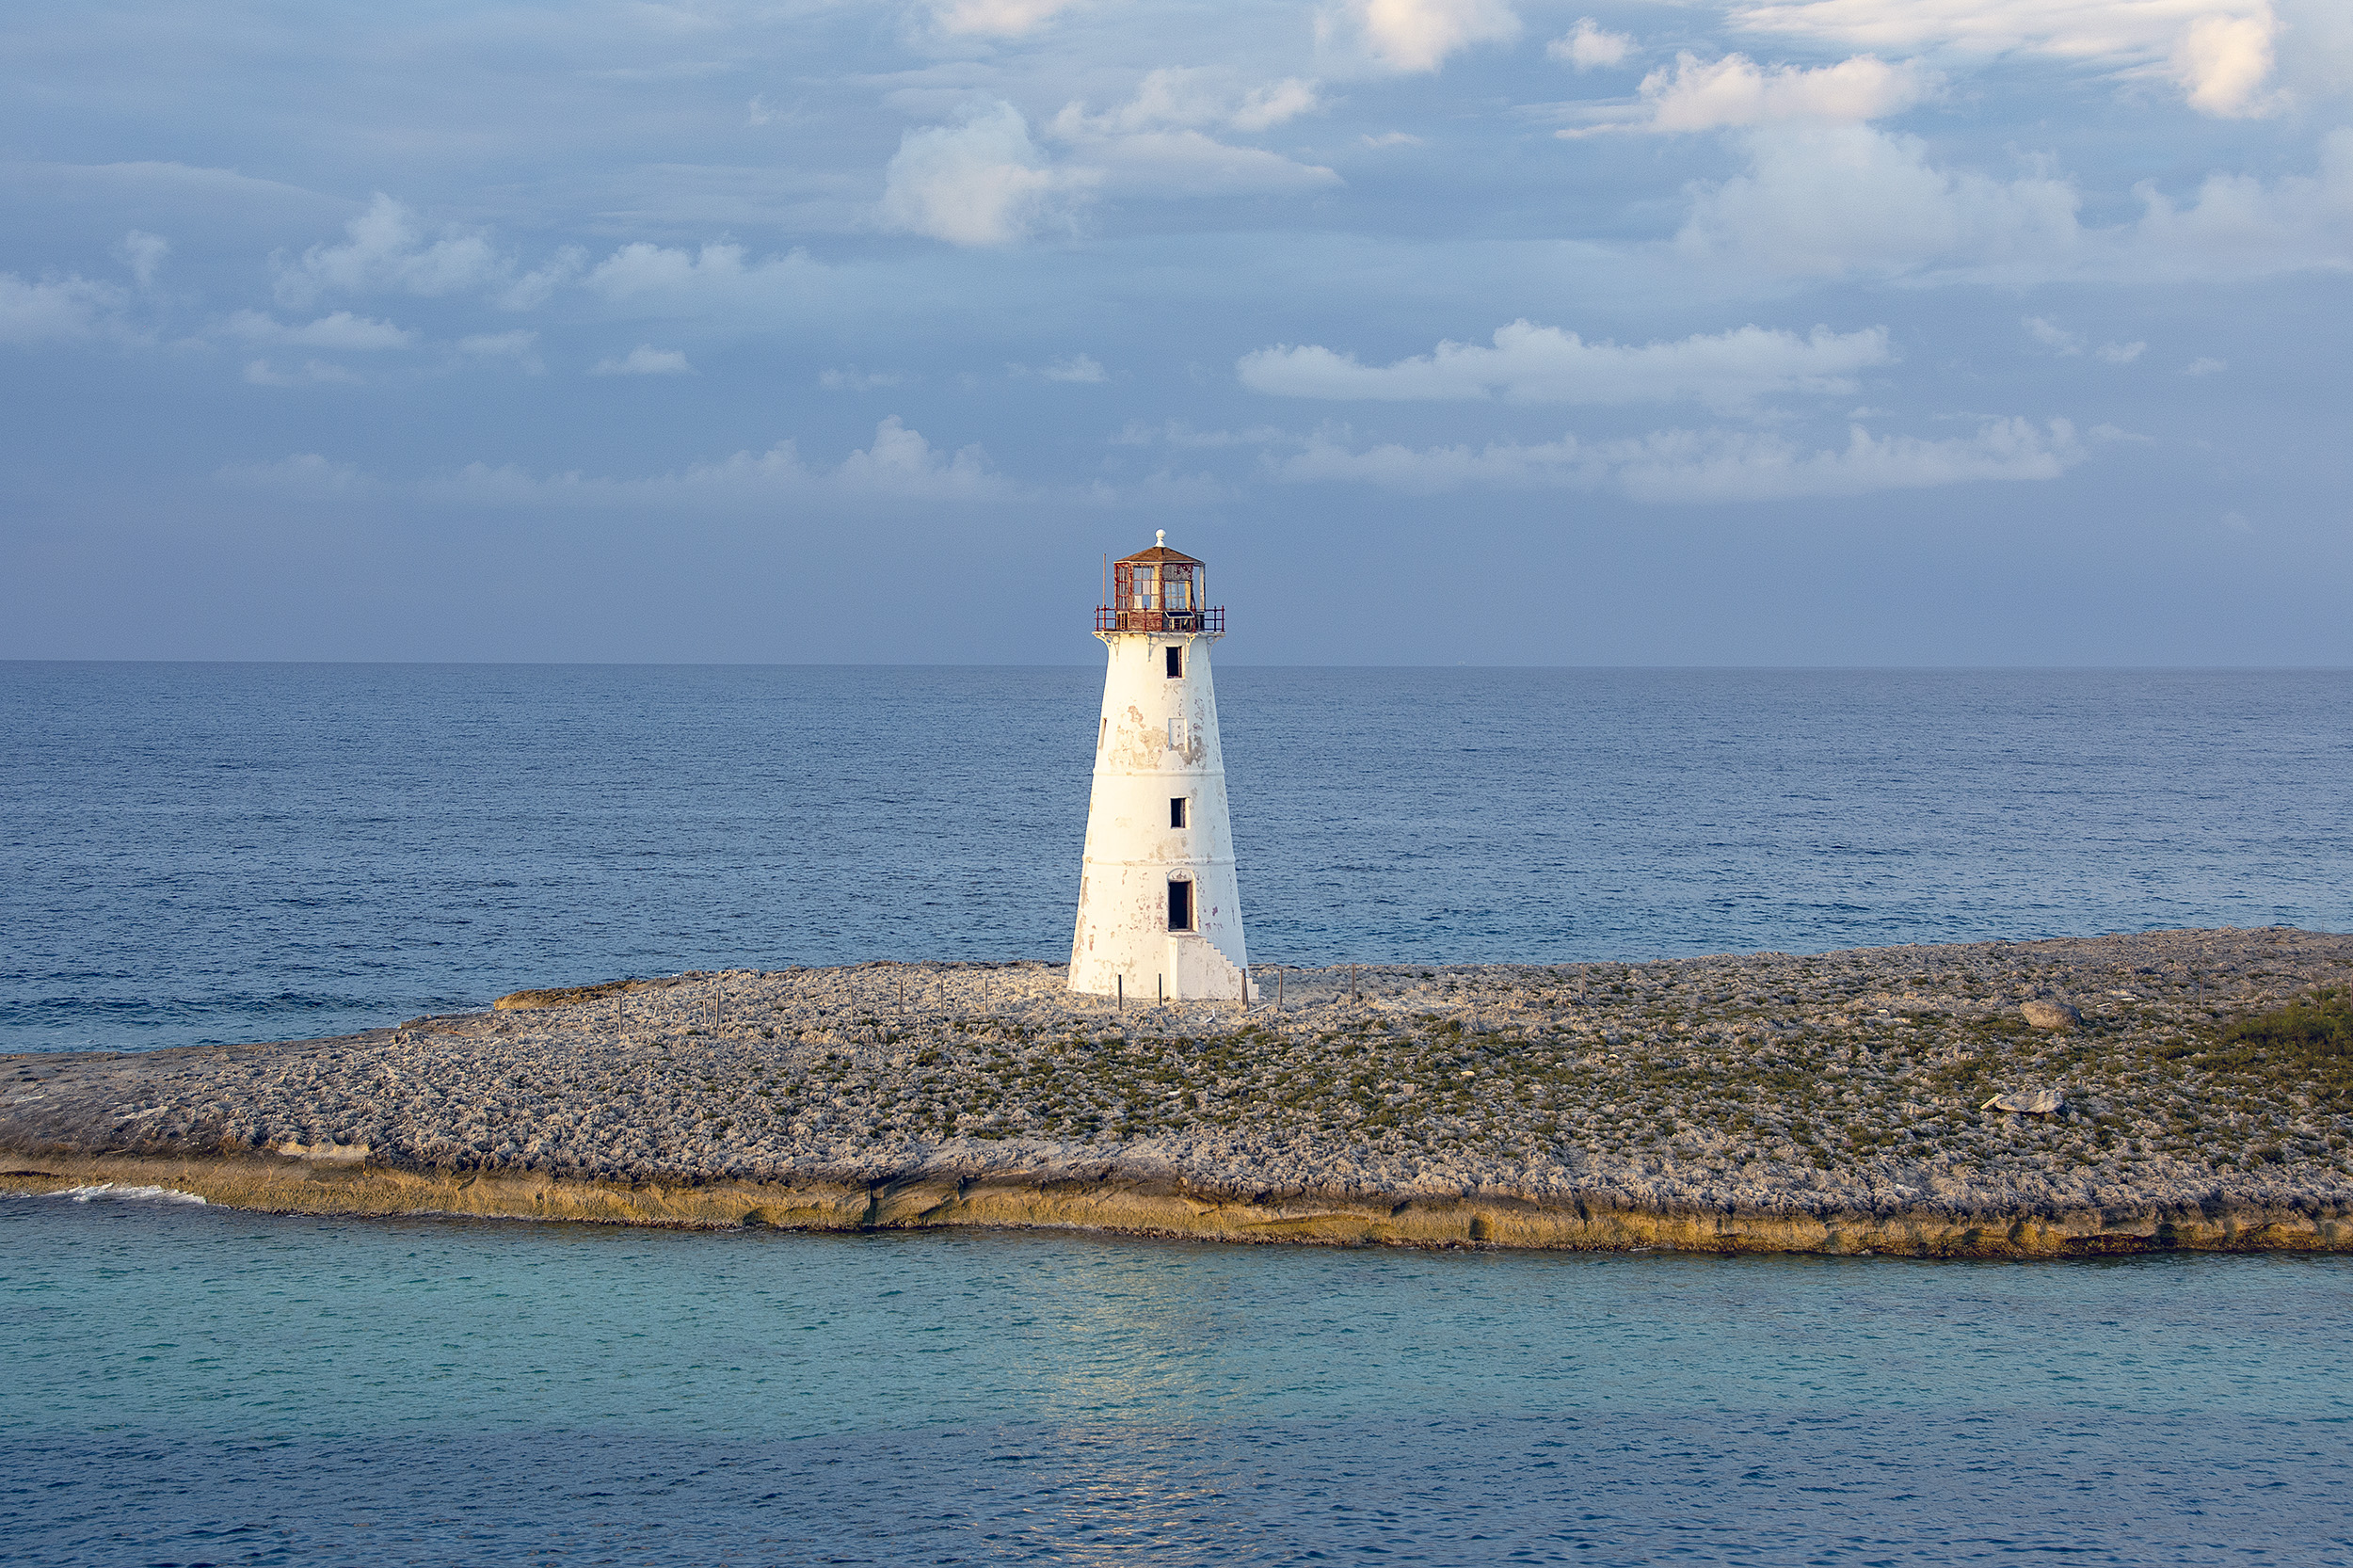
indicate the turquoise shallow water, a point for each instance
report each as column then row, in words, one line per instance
column 190, row 1385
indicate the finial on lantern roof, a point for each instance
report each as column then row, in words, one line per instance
column 1159, row 536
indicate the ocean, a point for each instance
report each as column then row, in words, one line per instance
column 218, row 852
column 212, row 852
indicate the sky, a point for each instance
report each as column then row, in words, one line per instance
column 1813, row 332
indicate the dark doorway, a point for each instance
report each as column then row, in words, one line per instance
column 1176, row 663
column 1180, row 907
column 1176, row 810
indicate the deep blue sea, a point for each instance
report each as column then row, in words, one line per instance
column 206, row 853
column 199, row 853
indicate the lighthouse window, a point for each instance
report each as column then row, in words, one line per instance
column 1176, row 812
column 1179, row 905
column 1176, row 663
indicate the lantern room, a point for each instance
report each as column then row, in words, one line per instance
column 1159, row 589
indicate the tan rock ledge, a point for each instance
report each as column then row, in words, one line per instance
column 1165, row 1208
column 1840, row 1103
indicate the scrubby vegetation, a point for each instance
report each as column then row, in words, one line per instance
column 2201, row 1057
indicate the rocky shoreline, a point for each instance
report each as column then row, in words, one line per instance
column 1841, row 1103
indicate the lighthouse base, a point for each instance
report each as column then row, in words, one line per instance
column 1189, row 969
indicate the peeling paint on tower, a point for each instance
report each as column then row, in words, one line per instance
column 1160, row 909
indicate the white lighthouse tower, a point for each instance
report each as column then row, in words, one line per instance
column 1159, row 912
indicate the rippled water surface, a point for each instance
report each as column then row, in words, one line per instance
column 190, row 1385
column 236, row 852
column 206, row 853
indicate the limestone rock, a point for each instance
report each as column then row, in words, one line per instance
column 2051, row 1015
column 2030, row 1102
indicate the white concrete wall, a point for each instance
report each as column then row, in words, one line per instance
column 1131, row 852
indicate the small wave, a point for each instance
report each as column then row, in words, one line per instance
column 110, row 1190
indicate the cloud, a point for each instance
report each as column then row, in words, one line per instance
column 1155, row 142
column 2220, row 52
column 261, row 372
column 854, row 379
column 1699, row 95
column 143, row 253
column 1176, row 96
column 339, row 330
column 1528, row 363
column 666, row 279
column 533, row 288
column 2067, row 344
column 1683, row 466
column 1588, row 46
column 1409, row 36
column 386, row 251
column 644, row 359
column 58, row 309
column 2203, row 366
column 982, row 183
column 997, row 18
column 1835, row 201
column 518, row 345
column 2222, row 63
column 899, row 465
column 1076, row 367
column 305, row 472
column 2051, row 336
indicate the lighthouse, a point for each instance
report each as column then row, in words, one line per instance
column 1160, row 911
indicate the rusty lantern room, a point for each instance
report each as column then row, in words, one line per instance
column 1159, row 589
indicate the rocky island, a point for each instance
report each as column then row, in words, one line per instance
column 2110, row 1094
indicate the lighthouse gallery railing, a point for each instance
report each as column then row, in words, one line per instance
column 1110, row 618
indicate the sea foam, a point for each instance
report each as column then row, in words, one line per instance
column 111, row 1190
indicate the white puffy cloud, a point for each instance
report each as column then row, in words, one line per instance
column 1176, row 96
column 2218, row 51
column 983, row 182
column 1156, row 142
column 670, row 280
column 386, row 250
column 1703, row 95
column 644, row 359
column 2052, row 336
column 1590, row 46
column 899, row 465
column 340, row 329
column 2203, row 366
column 143, row 253
column 1074, row 367
column 1528, row 363
column 57, row 309
column 518, row 345
column 997, row 18
column 2069, row 344
column 1703, row 465
column 1417, row 35
column 1841, row 201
